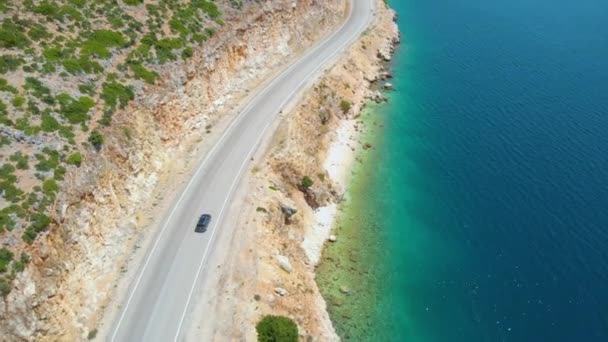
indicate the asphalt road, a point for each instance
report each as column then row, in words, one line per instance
column 158, row 301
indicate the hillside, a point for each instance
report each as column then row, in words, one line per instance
column 66, row 68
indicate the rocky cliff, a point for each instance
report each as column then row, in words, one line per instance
column 106, row 206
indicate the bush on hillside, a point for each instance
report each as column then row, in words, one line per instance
column 277, row 329
column 345, row 106
column 307, row 182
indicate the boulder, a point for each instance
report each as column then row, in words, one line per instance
column 280, row 291
column 284, row 263
column 344, row 289
column 388, row 86
column 333, row 238
column 378, row 97
column 288, row 212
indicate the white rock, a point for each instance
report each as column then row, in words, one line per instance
column 284, row 263
column 333, row 238
column 281, row 291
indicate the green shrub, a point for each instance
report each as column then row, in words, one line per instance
column 9, row 63
column 88, row 88
column 19, row 266
column 187, row 53
column 96, row 139
column 10, row 192
column 47, row 164
column 277, row 329
column 208, row 7
column 5, row 287
column 81, row 65
column 133, row 2
column 115, row 93
column 4, row 86
column 47, row 9
column 54, row 54
column 307, row 182
column 75, row 111
column 59, row 173
column 18, row 101
column 345, row 106
column 6, row 257
column 141, row 73
column 50, row 187
column 21, row 160
column 11, row 36
column 38, row 223
column 36, row 88
column 71, row 13
column 39, row 32
column 49, row 123
column 100, row 41
column 164, row 48
column 74, row 159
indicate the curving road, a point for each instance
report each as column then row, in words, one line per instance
column 158, row 301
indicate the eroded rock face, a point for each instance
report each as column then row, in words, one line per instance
column 105, row 203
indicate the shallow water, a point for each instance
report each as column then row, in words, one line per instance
column 480, row 213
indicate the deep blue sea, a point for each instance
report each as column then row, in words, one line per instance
column 487, row 187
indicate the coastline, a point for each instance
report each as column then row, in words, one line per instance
column 282, row 226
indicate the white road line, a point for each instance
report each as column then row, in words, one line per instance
column 251, row 152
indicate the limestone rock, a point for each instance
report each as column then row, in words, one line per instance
column 284, row 263
column 281, row 291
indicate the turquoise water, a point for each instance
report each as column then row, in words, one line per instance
column 481, row 212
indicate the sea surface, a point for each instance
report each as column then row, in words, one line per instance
column 481, row 212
